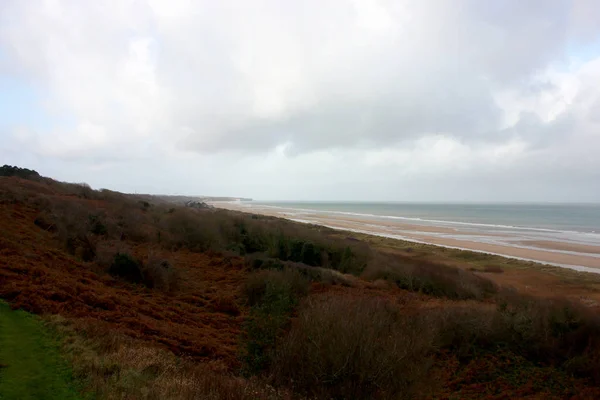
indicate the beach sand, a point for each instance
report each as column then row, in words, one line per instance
column 562, row 246
column 544, row 251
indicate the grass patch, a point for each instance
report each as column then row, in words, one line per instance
column 114, row 366
column 32, row 366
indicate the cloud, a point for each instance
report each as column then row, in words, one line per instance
column 425, row 88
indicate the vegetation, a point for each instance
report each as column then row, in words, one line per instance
column 272, row 296
column 115, row 366
column 8, row 170
column 353, row 348
column 159, row 300
column 31, row 367
column 430, row 278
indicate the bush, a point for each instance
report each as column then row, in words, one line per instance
column 260, row 262
column 97, row 226
column 189, row 230
column 83, row 190
column 554, row 332
column 273, row 296
column 155, row 273
column 429, row 278
column 8, row 170
column 353, row 348
column 313, row 274
column 271, row 288
column 493, row 269
column 127, row 267
column 160, row 274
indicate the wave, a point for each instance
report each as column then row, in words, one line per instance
column 436, row 221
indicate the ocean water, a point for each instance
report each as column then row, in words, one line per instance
column 489, row 223
column 583, row 218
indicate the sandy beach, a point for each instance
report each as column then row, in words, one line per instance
column 572, row 255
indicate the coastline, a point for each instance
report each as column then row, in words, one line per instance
column 562, row 254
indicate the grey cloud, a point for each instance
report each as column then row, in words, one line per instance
column 367, row 122
column 441, row 80
column 209, row 83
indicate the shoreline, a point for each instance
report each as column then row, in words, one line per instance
column 551, row 252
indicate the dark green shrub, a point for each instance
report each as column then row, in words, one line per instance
column 8, row 170
column 97, row 227
column 310, row 254
column 273, row 296
column 127, row 267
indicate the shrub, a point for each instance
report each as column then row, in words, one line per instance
column 97, row 226
column 8, row 170
column 160, row 274
column 554, row 332
column 83, row 190
column 428, row 277
column 260, row 262
column 273, row 296
column 130, row 223
column 273, row 288
column 323, row 275
column 126, row 267
column 74, row 226
column 353, row 348
column 189, row 230
column 493, row 269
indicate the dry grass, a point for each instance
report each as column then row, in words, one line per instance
column 117, row 367
column 493, row 269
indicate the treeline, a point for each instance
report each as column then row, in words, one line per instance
column 9, row 170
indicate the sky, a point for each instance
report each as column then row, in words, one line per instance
column 364, row 100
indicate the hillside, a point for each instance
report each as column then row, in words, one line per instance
column 157, row 300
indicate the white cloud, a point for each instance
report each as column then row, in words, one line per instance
column 313, row 96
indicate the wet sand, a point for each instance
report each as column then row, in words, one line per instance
column 562, row 246
column 544, row 251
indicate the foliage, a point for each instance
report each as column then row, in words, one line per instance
column 273, row 296
column 429, row 278
column 8, row 170
column 349, row 348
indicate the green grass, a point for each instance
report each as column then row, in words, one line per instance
column 32, row 367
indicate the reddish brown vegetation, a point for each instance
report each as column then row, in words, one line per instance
column 201, row 320
column 410, row 326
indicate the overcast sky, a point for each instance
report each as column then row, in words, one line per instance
column 448, row 100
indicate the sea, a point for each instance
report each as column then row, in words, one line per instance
column 513, row 224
